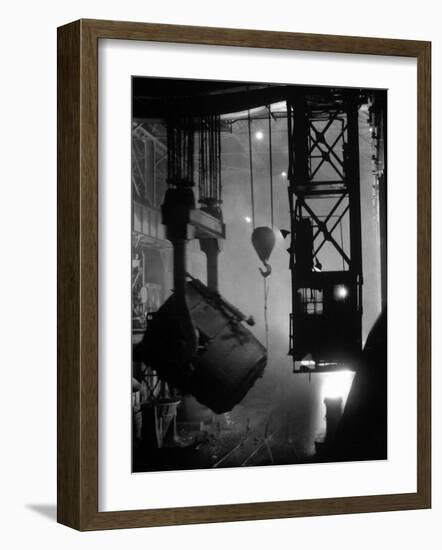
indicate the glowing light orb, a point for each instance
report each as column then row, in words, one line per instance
column 259, row 135
column 248, row 219
column 284, row 174
column 341, row 292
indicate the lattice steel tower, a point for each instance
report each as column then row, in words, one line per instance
column 325, row 249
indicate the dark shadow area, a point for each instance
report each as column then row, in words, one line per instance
column 362, row 431
column 48, row 511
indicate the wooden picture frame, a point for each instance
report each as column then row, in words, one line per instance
column 78, row 274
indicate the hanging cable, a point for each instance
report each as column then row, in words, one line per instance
column 252, row 191
column 266, row 280
column 266, row 323
column 210, row 160
column 271, row 167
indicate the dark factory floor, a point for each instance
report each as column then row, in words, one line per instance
column 261, row 431
column 223, row 441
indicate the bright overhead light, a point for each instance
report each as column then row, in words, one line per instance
column 259, row 135
column 248, row 219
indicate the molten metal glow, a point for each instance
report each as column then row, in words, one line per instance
column 337, row 384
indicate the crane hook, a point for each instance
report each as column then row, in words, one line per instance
column 267, row 271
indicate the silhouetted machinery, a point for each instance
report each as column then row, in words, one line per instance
column 325, row 248
column 324, row 197
column 197, row 341
column 227, row 359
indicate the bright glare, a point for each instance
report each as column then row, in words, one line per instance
column 341, row 292
column 337, row 384
column 259, row 135
column 248, row 219
column 284, row 174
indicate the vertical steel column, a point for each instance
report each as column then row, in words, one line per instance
column 382, row 100
column 179, row 269
column 352, row 176
column 212, row 270
column 298, row 176
column 353, row 183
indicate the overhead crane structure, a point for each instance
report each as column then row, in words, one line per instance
column 325, row 208
column 325, row 249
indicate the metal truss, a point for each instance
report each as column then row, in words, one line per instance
column 324, row 189
column 149, row 154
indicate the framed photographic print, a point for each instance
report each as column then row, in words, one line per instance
column 237, row 212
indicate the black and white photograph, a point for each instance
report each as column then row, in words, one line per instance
column 221, row 244
column 259, row 274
